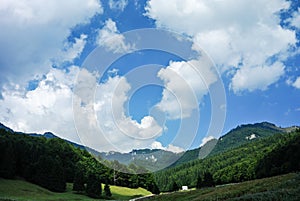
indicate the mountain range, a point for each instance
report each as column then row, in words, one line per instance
column 156, row 159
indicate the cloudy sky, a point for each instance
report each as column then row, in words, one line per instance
column 93, row 72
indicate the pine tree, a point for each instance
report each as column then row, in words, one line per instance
column 50, row 174
column 79, row 177
column 175, row 186
column 208, row 180
column 93, row 186
column 199, row 182
column 8, row 162
column 107, row 190
column 155, row 189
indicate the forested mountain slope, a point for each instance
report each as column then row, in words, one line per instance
column 246, row 133
column 238, row 136
column 52, row 162
column 238, row 164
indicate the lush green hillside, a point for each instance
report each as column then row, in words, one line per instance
column 52, row 162
column 195, row 154
column 19, row 190
column 156, row 159
column 237, row 164
column 236, row 137
column 245, row 134
column 281, row 188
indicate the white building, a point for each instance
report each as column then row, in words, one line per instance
column 184, row 188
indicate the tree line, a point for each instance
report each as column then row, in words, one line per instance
column 51, row 163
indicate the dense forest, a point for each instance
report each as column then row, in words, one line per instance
column 264, row 157
column 52, row 162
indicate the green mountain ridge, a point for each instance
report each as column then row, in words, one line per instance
column 244, row 134
column 156, row 159
column 238, row 136
column 260, row 157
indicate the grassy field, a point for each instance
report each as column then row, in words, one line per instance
column 284, row 187
column 18, row 190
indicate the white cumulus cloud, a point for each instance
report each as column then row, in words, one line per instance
column 206, row 139
column 73, row 50
column 117, row 4
column 296, row 84
column 170, row 147
column 33, row 32
column 46, row 108
column 243, row 34
column 185, row 84
column 101, row 118
column 295, row 21
column 97, row 108
column 110, row 38
column 259, row 77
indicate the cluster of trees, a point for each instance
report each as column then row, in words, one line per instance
column 206, row 181
column 283, row 159
column 263, row 157
column 51, row 163
column 46, row 162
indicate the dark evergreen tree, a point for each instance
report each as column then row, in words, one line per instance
column 8, row 161
column 208, row 180
column 155, row 190
column 175, row 186
column 50, row 174
column 79, row 177
column 199, row 183
column 93, row 186
column 107, row 190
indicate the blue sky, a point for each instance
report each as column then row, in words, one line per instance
column 54, row 74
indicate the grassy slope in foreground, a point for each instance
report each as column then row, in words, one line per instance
column 284, row 187
column 21, row 190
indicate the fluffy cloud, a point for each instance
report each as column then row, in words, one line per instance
column 185, row 84
column 33, row 32
column 117, row 4
column 297, row 83
column 101, row 119
column 110, row 106
column 255, row 77
column 295, row 21
column 242, row 34
column 46, row 108
column 206, row 139
column 98, row 111
column 170, row 147
column 72, row 50
column 110, row 38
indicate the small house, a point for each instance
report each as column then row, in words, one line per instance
column 184, row 188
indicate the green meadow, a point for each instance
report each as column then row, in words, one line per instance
column 19, row 190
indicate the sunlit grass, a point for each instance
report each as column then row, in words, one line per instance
column 21, row 190
column 123, row 193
